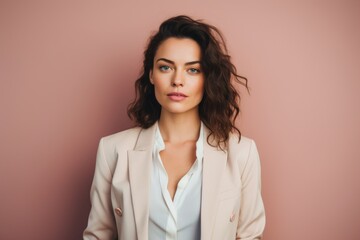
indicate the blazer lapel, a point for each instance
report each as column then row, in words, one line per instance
column 213, row 165
column 140, row 165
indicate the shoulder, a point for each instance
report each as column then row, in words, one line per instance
column 243, row 151
column 245, row 143
column 128, row 136
column 136, row 138
column 113, row 145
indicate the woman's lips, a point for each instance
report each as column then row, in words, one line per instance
column 176, row 96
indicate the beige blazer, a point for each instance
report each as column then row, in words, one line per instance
column 231, row 205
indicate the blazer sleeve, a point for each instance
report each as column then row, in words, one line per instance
column 252, row 213
column 101, row 222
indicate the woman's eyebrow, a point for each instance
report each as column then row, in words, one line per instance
column 193, row 62
column 165, row 60
column 172, row 62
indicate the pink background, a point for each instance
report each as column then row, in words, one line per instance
column 67, row 70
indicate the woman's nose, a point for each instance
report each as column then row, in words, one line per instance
column 178, row 79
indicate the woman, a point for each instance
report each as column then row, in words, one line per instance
column 184, row 172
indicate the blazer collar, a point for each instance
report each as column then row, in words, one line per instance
column 214, row 164
column 140, row 166
column 146, row 138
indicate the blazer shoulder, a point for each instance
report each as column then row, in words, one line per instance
column 242, row 151
column 126, row 137
column 136, row 138
column 244, row 144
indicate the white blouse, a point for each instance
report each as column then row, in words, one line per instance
column 178, row 219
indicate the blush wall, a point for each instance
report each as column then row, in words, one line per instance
column 67, row 70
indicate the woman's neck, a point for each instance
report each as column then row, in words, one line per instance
column 177, row 128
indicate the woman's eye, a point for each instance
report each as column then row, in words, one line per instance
column 164, row 68
column 194, row 70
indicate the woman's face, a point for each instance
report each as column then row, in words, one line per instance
column 177, row 76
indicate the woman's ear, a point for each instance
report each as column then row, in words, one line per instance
column 150, row 77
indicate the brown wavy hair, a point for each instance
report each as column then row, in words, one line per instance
column 220, row 104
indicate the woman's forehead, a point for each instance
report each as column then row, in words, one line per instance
column 179, row 50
